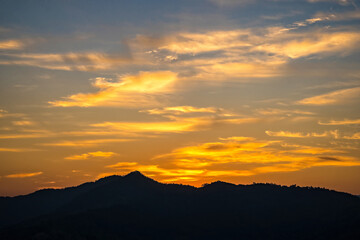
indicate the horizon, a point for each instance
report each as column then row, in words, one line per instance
column 185, row 91
column 189, row 185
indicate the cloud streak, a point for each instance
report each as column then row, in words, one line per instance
column 129, row 91
column 11, row 45
column 175, row 125
column 336, row 97
column 179, row 110
column 234, row 157
column 341, row 122
column 87, row 61
column 302, row 135
column 85, row 156
column 84, row 143
column 17, row 150
column 24, row 175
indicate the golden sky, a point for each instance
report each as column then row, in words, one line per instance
column 185, row 91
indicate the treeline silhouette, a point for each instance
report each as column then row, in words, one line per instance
column 137, row 207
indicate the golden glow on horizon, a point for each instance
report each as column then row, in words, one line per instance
column 251, row 156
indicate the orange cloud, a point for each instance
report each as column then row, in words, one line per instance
column 185, row 125
column 317, row 43
column 84, row 156
column 122, row 165
column 252, row 157
column 341, row 122
column 355, row 136
column 23, row 123
column 336, row 97
column 11, row 45
column 233, row 70
column 234, row 156
column 246, row 54
column 23, row 175
column 128, row 91
column 84, row 143
column 4, row 114
column 238, row 139
column 177, row 110
column 285, row 112
column 302, row 135
column 17, row 149
column 32, row 135
column 88, row 61
column 194, row 43
column 175, row 125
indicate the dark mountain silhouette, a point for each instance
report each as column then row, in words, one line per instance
column 137, row 207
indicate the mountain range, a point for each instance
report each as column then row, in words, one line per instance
column 136, row 207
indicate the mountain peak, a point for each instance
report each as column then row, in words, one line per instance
column 135, row 174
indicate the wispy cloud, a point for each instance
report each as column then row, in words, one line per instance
column 231, row 3
column 336, row 84
column 195, row 43
column 84, row 156
column 122, row 165
column 18, row 149
column 282, row 112
column 23, row 123
column 254, row 152
column 175, row 125
column 341, row 122
column 246, row 54
column 341, row 2
column 178, row 110
column 235, row 156
column 129, row 91
column 6, row 114
column 313, row 44
column 23, row 175
column 87, row 61
column 349, row 15
column 84, row 143
column 355, row 136
column 302, row 135
column 11, row 44
column 27, row 135
column 335, row 97
column 240, row 70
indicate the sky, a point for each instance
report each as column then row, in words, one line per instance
column 185, row 91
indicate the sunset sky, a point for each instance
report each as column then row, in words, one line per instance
column 185, row 91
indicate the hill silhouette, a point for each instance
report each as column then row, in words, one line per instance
column 136, row 207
